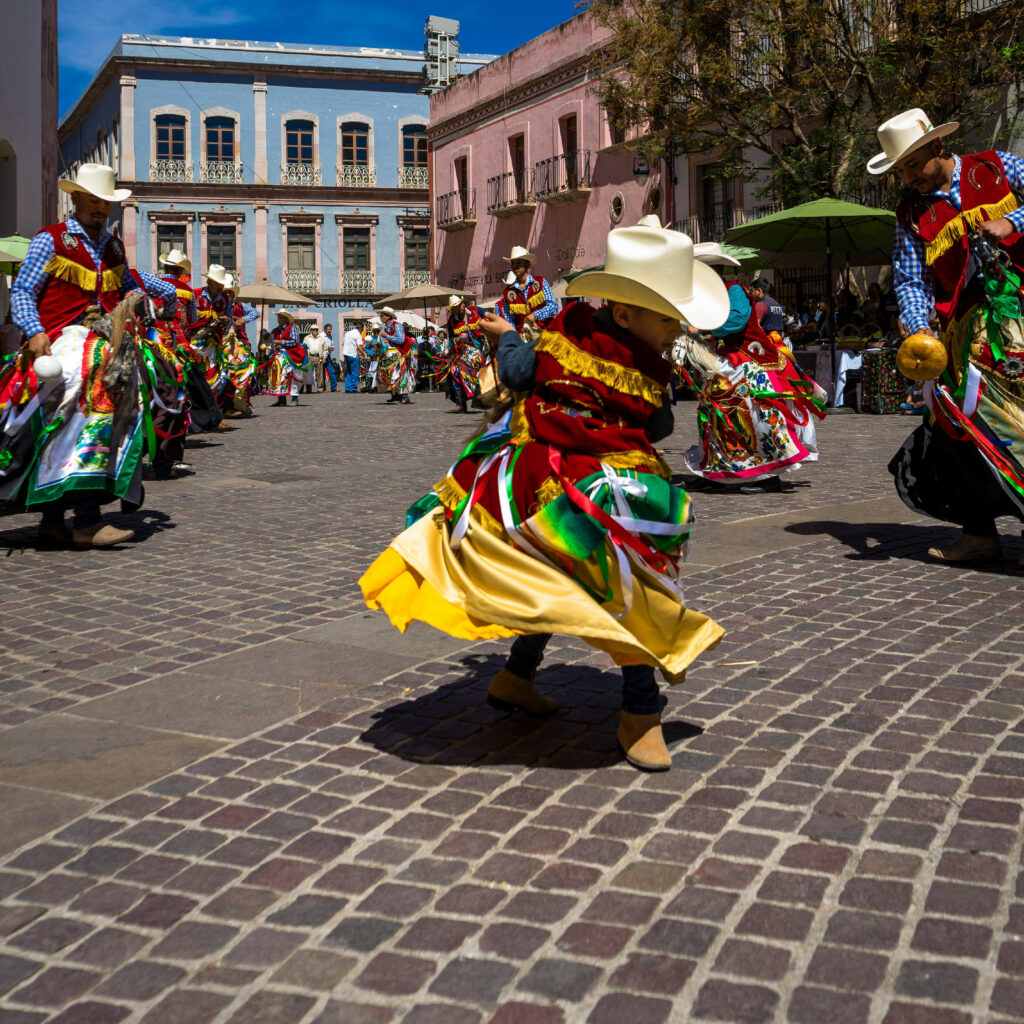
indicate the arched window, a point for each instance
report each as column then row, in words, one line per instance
column 355, row 144
column 414, row 145
column 170, row 137
column 298, row 142
column 220, row 140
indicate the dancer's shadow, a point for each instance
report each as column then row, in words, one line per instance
column 452, row 724
column 883, row 542
column 698, row 484
column 144, row 522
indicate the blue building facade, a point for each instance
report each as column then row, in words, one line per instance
column 305, row 166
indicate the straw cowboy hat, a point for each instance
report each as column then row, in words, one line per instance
column 215, row 272
column 176, row 258
column 519, row 253
column 98, row 180
column 904, row 133
column 711, row 254
column 286, row 315
column 654, row 268
column 454, row 301
column 387, row 311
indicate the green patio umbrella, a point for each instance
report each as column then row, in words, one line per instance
column 14, row 248
column 824, row 225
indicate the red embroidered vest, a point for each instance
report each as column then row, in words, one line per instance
column 984, row 195
column 595, row 385
column 520, row 305
column 186, row 294
column 75, row 282
column 282, row 335
column 210, row 309
column 238, row 310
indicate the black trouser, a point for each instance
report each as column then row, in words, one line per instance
column 85, row 512
column 640, row 694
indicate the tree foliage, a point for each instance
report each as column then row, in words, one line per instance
column 796, row 88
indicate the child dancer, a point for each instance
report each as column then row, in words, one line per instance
column 561, row 518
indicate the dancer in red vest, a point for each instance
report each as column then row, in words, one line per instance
column 290, row 365
column 467, row 346
column 528, row 303
column 959, row 247
column 93, row 455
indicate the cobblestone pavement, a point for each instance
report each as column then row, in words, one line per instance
column 230, row 794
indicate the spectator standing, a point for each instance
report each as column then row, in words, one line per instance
column 872, row 307
column 315, row 344
column 330, row 356
column 351, row 348
column 769, row 311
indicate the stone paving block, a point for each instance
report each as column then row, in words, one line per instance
column 528, row 1013
column 392, row 975
column 560, row 979
column 92, row 1012
column 362, row 933
column 140, row 980
column 273, row 1008
column 725, row 1000
column 187, row 1006
column 814, row 1005
column 619, row 1006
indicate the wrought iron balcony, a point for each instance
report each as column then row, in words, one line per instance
column 222, row 172
column 508, row 194
column 358, row 282
column 300, row 174
column 564, row 178
column 357, row 176
column 412, row 177
column 456, row 211
column 411, row 278
column 306, row 282
column 170, row 170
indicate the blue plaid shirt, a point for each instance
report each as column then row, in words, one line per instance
column 32, row 277
column 546, row 312
column 911, row 277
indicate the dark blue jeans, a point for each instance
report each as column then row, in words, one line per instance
column 351, row 373
column 332, row 374
column 640, row 694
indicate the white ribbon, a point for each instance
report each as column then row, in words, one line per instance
column 972, row 391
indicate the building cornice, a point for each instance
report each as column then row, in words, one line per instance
column 111, row 72
column 567, row 74
column 264, row 195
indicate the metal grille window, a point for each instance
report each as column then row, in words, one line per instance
column 414, row 145
column 170, row 137
column 356, row 249
column 220, row 140
column 417, row 249
column 355, row 144
column 717, row 197
column 170, row 236
column 299, row 142
column 220, row 245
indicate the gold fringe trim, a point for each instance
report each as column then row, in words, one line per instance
column 113, row 278
column 207, row 314
column 451, row 495
column 184, row 293
column 612, row 375
column 73, row 273
column 954, row 230
column 634, row 459
column 549, row 490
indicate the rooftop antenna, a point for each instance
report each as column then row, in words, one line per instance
column 441, row 51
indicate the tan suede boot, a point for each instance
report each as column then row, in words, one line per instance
column 509, row 691
column 641, row 738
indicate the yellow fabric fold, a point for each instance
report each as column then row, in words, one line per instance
column 489, row 589
column 612, row 375
column 952, row 232
column 113, row 278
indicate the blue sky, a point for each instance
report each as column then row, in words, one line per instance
column 88, row 32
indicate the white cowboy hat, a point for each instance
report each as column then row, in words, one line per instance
column 519, row 253
column 215, row 272
column 455, row 300
column 387, row 311
column 286, row 315
column 510, row 277
column 654, row 268
column 98, row 180
column 176, row 258
column 711, row 254
column 903, row 134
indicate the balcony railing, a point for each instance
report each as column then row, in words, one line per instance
column 357, row 176
column 713, row 227
column 508, row 194
column 300, row 174
column 222, row 172
column 306, row 282
column 563, row 178
column 412, row 177
column 457, row 210
column 170, row 170
column 410, row 278
column 358, row 282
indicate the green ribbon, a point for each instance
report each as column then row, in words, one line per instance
column 1002, row 302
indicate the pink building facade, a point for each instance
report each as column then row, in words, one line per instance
column 522, row 154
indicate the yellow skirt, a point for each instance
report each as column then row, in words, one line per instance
column 490, row 589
